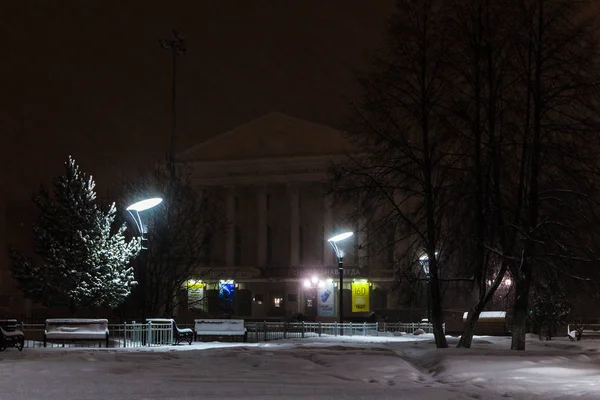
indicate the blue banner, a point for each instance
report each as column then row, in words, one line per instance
column 326, row 299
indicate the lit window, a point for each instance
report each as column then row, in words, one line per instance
column 309, row 303
column 277, row 301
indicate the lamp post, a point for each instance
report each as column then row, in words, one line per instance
column 135, row 210
column 340, row 258
column 424, row 260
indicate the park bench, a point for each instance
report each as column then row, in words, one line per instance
column 220, row 329
column 490, row 323
column 10, row 336
column 577, row 330
column 179, row 334
column 76, row 329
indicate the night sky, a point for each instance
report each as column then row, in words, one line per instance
column 88, row 77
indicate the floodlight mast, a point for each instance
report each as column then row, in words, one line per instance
column 339, row 253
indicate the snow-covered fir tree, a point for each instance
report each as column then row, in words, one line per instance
column 82, row 260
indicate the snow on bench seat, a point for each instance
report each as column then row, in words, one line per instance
column 76, row 329
column 219, row 327
column 12, row 333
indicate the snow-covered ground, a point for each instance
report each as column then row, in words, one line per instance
column 385, row 367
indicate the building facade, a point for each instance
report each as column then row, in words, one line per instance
column 274, row 260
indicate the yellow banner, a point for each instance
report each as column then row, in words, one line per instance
column 360, row 297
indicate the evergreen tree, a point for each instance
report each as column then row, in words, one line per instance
column 550, row 308
column 82, row 261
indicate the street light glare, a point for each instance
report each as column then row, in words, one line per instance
column 340, row 237
column 144, row 204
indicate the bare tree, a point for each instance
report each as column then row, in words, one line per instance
column 479, row 130
column 402, row 180
column 181, row 234
column 554, row 110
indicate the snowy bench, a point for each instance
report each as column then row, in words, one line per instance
column 76, row 329
column 220, row 328
column 10, row 336
column 179, row 334
column 490, row 323
column 576, row 331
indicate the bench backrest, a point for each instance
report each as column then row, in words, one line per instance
column 8, row 324
column 489, row 316
column 219, row 325
column 76, row 325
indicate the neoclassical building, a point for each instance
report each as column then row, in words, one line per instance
column 274, row 260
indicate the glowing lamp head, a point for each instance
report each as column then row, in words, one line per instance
column 144, row 204
column 340, row 237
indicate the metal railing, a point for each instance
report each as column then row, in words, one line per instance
column 150, row 334
column 153, row 334
column 408, row 327
column 265, row 331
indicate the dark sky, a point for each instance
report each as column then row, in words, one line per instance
column 88, row 78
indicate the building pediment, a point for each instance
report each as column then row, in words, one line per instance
column 274, row 135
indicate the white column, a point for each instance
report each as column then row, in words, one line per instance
column 261, row 241
column 230, row 220
column 294, row 224
column 328, row 255
column 362, row 242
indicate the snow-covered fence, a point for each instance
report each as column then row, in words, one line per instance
column 264, row 331
column 121, row 335
column 408, row 327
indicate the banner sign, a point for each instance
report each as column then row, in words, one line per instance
column 360, row 297
column 195, row 295
column 226, row 292
column 326, row 300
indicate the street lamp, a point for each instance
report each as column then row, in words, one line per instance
column 424, row 260
column 135, row 210
column 340, row 258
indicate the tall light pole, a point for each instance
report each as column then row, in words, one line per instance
column 176, row 46
column 339, row 253
column 135, row 210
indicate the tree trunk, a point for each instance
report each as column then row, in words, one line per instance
column 519, row 325
column 466, row 339
column 436, row 316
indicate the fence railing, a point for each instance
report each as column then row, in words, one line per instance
column 265, row 331
column 153, row 334
column 121, row 335
column 408, row 327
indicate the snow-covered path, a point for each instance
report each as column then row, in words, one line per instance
column 324, row 368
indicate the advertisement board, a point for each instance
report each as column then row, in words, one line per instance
column 360, row 297
column 326, row 299
column 226, row 294
column 195, row 294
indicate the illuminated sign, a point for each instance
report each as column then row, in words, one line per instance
column 325, row 299
column 360, row 296
column 195, row 291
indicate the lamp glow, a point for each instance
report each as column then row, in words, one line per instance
column 144, row 204
column 340, row 237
